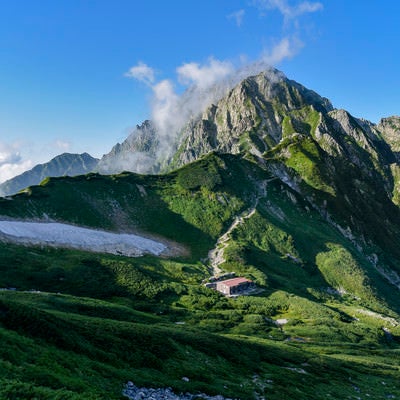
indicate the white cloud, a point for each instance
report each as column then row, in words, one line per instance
column 62, row 145
column 10, row 153
column 171, row 111
column 204, row 76
column 12, row 162
column 20, row 156
column 164, row 90
column 237, row 16
column 307, row 7
column 285, row 49
column 289, row 12
column 9, row 170
column 9, row 157
column 142, row 72
column 165, row 106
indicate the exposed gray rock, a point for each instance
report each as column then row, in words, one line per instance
column 390, row 129
column 137, row 153
column 135, row 393
column 249, row 118
column 233, row 117
column 359, row 140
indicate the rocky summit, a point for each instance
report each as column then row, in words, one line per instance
column 267, row 183
column 137, row 153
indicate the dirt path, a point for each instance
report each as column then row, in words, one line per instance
column 216, row 255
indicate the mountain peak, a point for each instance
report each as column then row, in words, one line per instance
column 254, row 116
column 255, row 105
column 137, row 153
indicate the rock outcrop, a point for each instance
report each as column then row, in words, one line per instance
column 390, row 130
column 249, row 118
column 137, row 153
column 133, row 392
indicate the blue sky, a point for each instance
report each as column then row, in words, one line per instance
column 65, row 83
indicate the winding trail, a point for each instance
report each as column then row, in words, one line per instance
column 216, row 255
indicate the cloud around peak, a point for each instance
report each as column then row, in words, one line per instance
column 286, row 48
column 142, row 72
column 207, row 82
column 204, row 76
column 171, row 110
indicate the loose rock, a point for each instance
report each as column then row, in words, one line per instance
column 132, row 392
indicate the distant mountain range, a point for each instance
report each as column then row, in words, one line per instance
column 66, row 164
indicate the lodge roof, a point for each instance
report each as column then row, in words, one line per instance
column 235, row 281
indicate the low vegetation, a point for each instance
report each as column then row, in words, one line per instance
column 78, row 325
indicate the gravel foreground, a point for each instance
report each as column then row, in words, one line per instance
column 133, row 392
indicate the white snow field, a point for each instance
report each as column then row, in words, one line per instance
column 63, row 235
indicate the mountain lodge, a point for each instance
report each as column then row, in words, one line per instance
column 234, row 286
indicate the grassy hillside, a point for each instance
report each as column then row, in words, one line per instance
column 180, row 206
column 325, row 323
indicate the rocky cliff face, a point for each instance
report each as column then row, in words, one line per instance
column 390, row 130
column 63, row 165
column 258, row 114
column 138, row 153
column 263, row 113
column 250, row 118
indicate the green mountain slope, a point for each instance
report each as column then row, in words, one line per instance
column 294, row 195
column 334, row 300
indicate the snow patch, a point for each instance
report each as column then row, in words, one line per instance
column 63, row 235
